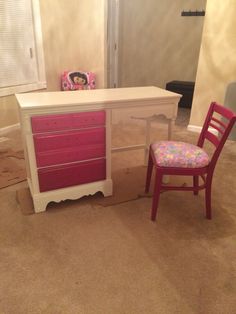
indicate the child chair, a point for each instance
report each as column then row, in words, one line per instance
column 179, row 158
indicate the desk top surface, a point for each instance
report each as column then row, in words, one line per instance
column 95, row 96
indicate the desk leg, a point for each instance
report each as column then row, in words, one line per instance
column 148, row 141
column 39, row 204
column 166, row 179
column 170, row 128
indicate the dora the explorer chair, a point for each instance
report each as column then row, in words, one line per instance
column 179, row 158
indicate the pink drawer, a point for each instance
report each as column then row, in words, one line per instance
column 68, row 121
column 84, row 152
column 64, row 176
column 57, row 141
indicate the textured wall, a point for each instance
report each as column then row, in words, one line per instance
column 217, row 60
column 73, row 38
column 157, row 45
column 8, row 110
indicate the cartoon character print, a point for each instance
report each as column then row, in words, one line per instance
column 77, row 80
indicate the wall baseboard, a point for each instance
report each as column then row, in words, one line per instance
column 198, row 129
column 9, row 128
column 194, row 128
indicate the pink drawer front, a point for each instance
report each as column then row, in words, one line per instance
column 68, row 121
column 64, row 176
column 56, row 157
column 56, row 141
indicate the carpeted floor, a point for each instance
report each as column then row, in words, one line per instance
column 81, row 257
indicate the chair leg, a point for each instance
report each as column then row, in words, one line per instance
column 208, row 197
column 195, row 184
column 156, row 195
column 149, row 173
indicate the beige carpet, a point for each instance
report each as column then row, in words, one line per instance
column 79, row 257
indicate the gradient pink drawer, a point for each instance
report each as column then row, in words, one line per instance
column 56, row 141
column 69, row 121
column 64, row 176
column 62, row 156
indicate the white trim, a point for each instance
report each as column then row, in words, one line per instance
column 9, row 128
column 194, row 128
column 198, row 129
column 112, row 42
column 7, row 91
column 39, row 42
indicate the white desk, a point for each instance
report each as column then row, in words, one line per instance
column 143, row 102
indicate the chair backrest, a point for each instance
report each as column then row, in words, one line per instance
column 216, row 129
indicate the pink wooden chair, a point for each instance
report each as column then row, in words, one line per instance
column 179, row 158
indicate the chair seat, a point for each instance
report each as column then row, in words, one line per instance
column 179, row 154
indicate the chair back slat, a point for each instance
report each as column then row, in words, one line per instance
column 212, row 138
column 216, row 127
column 219, row 122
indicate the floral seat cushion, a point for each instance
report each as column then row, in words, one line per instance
column 179, row 154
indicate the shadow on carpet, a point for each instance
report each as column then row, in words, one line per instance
column 12, row 169
column 128, row 184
